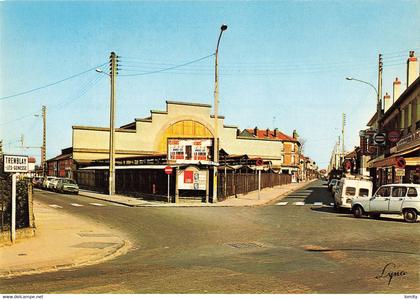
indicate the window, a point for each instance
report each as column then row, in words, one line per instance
column 399, row 191
column 402, row 116
column 188, row 152
column 409, row 109
column 412, row 192
column 383, row 192
column 364, row 192
column 350, row 191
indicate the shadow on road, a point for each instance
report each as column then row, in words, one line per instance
column 347, row 214
column 318, row 194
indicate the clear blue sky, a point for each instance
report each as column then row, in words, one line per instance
column 282, row 59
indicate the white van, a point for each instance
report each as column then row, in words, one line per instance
column 349, row 188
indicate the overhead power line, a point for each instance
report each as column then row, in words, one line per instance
column 169, row 68
column 51, row 84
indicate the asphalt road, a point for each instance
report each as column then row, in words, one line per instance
column 298, row 247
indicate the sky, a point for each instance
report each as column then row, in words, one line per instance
column 281, row 64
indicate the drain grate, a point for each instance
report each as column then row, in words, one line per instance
column 246, row 245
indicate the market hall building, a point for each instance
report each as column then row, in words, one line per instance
column 181, row 136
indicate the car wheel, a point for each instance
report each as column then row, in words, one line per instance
column 375, row 215
column 410, row 215
column 357, row 211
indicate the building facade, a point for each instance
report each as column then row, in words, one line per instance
column 398, row 158
column 185, row 133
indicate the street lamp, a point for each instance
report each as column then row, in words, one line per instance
column 216, row 123
column 378, row 99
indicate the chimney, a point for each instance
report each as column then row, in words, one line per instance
column 275, row 132
column 256, row 131
column 412, row 68
column 387, row 102
column 396, row 90
column 267, row 132
column 295, row 134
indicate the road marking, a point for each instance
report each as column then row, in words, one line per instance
column 299, row 203
column 96, row 204
column 317, row 203
column 282, row 203
column 56, row 206
column 76, row 205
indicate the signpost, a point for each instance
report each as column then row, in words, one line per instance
column 400, row 163
column 14, row 164
column 379, row 138
column 168, row 171
column 394, row 136
column 348, row 165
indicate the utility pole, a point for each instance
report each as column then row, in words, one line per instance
column 113, row 73
column 342, row 132
column 22, row 141
column 44, row 141
column 379, row 99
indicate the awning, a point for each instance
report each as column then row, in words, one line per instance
column 391, row 160
column 412, row 161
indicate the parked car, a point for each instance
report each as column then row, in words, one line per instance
column 47, row 182
column 67, row 186
column 332, row 183
column 53, row 184
column 390, row 199
column 349, row 188
column 37, row 182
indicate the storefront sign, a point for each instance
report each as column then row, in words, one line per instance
column 192, row 179
column 190, row 151
column 400, row 172
column 394, row 136
column 14, row 163
column 409, row 138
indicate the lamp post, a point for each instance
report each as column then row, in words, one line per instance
column 378, row 99
column 216, row 123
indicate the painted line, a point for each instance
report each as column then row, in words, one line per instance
column 76, row 205
column 317, row 203
column 56, row 206
column 299, row 203
column 96, row 204
column 281, row 203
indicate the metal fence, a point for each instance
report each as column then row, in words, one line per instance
column 150, row 183
column 153, row 183
column 231, row 183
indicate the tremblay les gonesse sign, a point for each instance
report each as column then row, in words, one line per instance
column 13, row 163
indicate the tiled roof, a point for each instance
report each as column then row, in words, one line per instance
column 262, row 134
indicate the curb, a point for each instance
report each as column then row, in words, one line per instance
column 117, row 251
column 110, row 200
column 204, row 205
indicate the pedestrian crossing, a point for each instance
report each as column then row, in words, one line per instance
column 300, row 203
column 77, row 205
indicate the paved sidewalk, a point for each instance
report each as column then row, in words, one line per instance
column 268, row 196
column 61, row 241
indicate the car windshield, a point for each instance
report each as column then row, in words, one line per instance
column 67, row 181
